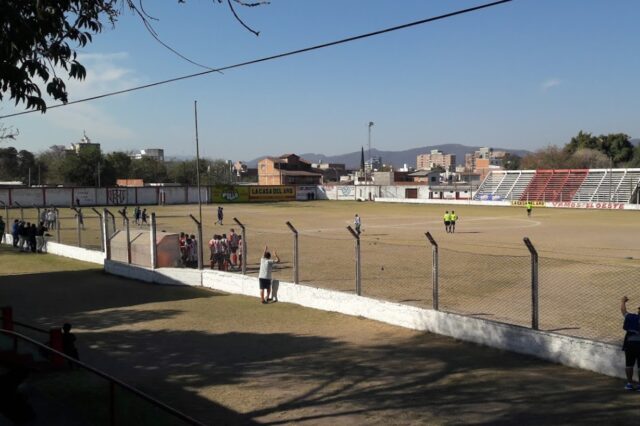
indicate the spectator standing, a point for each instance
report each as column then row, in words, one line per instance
column 31, row 235
column 264, row 277
column 15, row 232
column 144, row 217
column 357, row 223
column 69, row 342
column 40, row 238
column 234, row 240
column 631, row 345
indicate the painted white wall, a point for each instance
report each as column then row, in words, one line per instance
column 60, row 197
column 147, row 195
column 598, row 357
column 86, row 196
column 435, row 201
column 27, row 197
column 4, row 196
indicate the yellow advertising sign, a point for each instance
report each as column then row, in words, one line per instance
column 272, row 193
column 229, row 194
column 523, row 203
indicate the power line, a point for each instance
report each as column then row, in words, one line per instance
column 278, row 56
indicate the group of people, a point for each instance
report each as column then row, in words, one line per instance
column 450, row 220
column 27, row 237
column 188, row 250
column 140, row 216
column 226, row 251
column 49, row 217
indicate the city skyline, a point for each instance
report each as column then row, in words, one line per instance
column 521, row 75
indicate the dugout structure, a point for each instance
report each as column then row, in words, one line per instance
column 167, row 243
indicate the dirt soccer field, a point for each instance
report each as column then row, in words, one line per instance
column 587, row 258
column 230, row 360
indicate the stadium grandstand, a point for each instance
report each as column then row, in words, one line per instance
column 579, row 185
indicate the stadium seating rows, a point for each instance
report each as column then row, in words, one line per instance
column 581, row 185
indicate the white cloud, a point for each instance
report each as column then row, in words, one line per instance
column 99, row 126
column 104, row 74
column 549, row 84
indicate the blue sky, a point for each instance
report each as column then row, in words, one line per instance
column 520, row 75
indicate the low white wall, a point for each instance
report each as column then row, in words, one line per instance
column 444, row 201
column 598, row 357
column 79, row 253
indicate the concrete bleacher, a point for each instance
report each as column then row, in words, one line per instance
column 504, row 185
column 578, row 185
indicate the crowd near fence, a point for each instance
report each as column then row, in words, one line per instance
column 526, row 287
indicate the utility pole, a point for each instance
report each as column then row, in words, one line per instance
column 371, row 123
column 200, row 243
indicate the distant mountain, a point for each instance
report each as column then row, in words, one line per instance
column 395, row 158
column 635, row 142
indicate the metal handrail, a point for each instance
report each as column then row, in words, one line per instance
column 112, row 380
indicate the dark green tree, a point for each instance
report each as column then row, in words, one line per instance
column 149, row 170
column 511, row 161
column 8, row 163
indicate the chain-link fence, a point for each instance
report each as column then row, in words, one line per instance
column 583, row 299
column 565, row 296
column 482, row 285
column 397, row 271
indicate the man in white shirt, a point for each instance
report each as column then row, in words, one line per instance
column 266, row 267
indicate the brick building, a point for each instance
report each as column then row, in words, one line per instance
column 288, row 169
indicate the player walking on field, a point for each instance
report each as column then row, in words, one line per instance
column 447, row 220
column 452, row 221
column 357, row 223
column 529, row 207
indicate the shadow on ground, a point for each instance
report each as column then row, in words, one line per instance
column 279, row 377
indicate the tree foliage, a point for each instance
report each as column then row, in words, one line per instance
column 586, row 151
column 40, row 38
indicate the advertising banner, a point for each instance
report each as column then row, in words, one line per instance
column 272, row 193
column 229, row 194
column 83, row 196
column 523, row 203
column 587, row 205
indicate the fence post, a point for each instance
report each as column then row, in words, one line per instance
column 534, row 283
column 244, row 246
column 7, row 223
column 434, row 271
column 358, row 269
column 200, row 242
column 102, row 234
column 126, row 224
column 295, row 252
column 105, row 234
column 21, row 210
column 57, row 224
column 78, row 230
column 154, row 245
column 38, row 214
